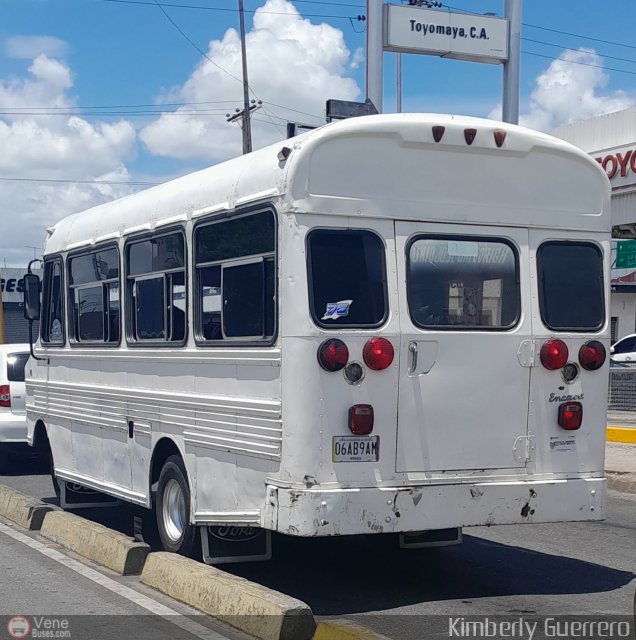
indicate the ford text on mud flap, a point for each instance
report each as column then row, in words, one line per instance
column 322, row 339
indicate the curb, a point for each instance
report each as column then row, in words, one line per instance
column 24, row 510
column 345, row 630
column 250, row 607
column 621, row 434
column 95, row 542
column 623, row 482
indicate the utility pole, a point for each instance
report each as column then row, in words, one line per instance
column 246, row 125
column 239, row 116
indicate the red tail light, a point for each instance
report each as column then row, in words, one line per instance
column 378, row 353
column 333, row 354
column 554, row 354
column 592, row 355
column 570, row 415
column 5, row 395
column 361, row 419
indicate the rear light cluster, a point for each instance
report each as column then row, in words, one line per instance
column 333, row 354
column 378, row 354
column 5, row 395
column 554, row 355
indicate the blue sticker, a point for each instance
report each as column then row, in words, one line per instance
column 337, row 310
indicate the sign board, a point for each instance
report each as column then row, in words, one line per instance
column 342, row 109
column 461, row 36
column 12, row 284
column 625, row 254
column 619, row 165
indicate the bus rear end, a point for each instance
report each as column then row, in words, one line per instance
column 439, row 373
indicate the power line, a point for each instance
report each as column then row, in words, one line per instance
column 578, row 35
column 226, row 9
column 584, row 64
column 98, row 182
column 558, row 46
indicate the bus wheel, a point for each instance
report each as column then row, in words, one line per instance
column 4, row 460
column 172, row 509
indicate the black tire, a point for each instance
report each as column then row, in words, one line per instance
column 4, row 460
column 44, row 446
column 172, row 509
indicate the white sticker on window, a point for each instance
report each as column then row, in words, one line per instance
column 560, row 443
column 337, row 310
column 463, row 249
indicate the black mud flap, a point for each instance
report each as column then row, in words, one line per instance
column 76, row 496
column 232, row 543
column 432, row 538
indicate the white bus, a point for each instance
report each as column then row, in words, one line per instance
column 391, row 324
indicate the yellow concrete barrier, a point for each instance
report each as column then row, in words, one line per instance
column 345, row 630
column 621, row 434
column 96, row 542
column 250, row 607
column 24, row 510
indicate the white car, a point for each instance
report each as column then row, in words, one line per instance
column 624, row 350
column 13, row 430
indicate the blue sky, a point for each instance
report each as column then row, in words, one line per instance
column 83, row 84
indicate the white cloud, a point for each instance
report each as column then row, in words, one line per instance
column 570, row 90
column 291, row 62
column 52, row 148
column 29, row 47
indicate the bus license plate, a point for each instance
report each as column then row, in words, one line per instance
column 355, row 449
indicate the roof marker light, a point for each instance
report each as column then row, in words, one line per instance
column 284, row 153
column 438, row 133
column 500, row 137
column 470, row 135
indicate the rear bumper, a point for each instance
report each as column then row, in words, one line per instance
column 316, row 512
column 12, row 428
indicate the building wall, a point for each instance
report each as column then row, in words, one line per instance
column 623, row 308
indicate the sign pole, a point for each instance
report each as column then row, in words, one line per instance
column 510, row 110
column 375, row 44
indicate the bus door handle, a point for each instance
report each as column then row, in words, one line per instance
column 422, row 356
column 413, row 357
column 131, row 428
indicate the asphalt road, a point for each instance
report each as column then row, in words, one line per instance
column 544, row 569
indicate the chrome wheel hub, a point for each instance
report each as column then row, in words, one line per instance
column 174, row 510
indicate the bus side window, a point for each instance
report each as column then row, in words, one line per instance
column 235, row 278
column 155, row 289
column 52, row 328
column 93, row 281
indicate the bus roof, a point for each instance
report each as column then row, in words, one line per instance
column 407, row 166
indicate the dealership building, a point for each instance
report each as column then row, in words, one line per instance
column 16, row 327
column 611, row 141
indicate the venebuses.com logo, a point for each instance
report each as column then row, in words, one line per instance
column 49, row 627
column 18, row 627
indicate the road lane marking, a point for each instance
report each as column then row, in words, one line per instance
column 156, row 608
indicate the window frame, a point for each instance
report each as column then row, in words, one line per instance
column 197, row 306
column 310, row 280
column 130, row 280
column 465, row 238
column 541, row 293
column 75, row 343
column 44, row 321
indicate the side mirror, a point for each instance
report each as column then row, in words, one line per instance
column 611, row 349
column 31, row 297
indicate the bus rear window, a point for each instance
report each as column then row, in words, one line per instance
column 468, row 283
column 571, row 291
column 347, row 278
